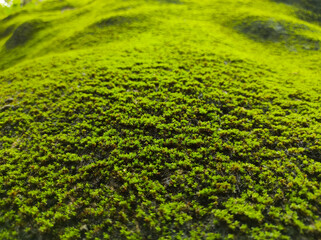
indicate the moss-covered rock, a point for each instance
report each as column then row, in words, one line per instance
column 140, row 120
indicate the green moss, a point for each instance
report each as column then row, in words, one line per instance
column 4, row 32
column 291, row 35
column 115, row 21
column 309, row 9
column 144, row 120
column 24, row 33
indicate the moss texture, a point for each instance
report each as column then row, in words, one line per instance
column 157, row 120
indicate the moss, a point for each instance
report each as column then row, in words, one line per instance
column 110, row 29
column 52, row 5
column 309, row 9
column 24, row 33
column 170, row 1
column 269, row 30
column 13, row 16
column 140, row 120
column 311, row 5
column 115, row 21
column 278, row 31
column 4, row 32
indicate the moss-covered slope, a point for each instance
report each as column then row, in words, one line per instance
column 159, row 120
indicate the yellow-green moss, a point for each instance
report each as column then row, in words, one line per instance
column 159, row 120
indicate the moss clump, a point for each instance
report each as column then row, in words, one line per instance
column 24, row 33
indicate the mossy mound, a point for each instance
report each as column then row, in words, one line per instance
column 170, row 1
column 144, row 120
column 53, row 5
column 312, row 8
column 132, row 151
column 4, row 32
column 13, row 16
column 116, row 21
column 278, row 31
column 269, row 30
column 311, row 5
column 24, row 33
column 110, row 29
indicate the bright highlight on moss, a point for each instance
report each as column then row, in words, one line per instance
column 160, row 119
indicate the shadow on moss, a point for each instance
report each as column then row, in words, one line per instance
column 310, row 10
column 56, row 5
column 115, row 21
column 170, row 1
column 12, row 16
column 107, row 30
column 277, row 31
column 4, row 32
column 24, row 33
column 269, row 30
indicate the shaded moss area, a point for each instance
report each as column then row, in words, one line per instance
column 170, row 1
column 265, row 30
column 116, row 21
column 111, row 29
column 53, row 5
column 24, row 33
column 4, row 32
column 278, row 31
column 312, row 7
